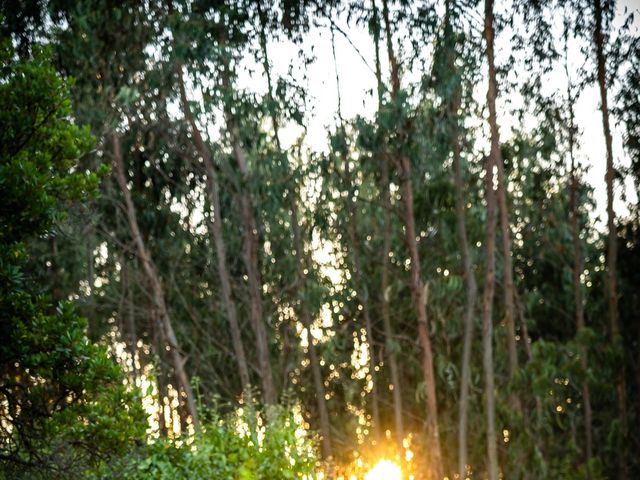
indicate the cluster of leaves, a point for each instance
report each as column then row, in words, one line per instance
column 245, row 444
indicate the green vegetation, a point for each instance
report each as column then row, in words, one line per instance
column 270, row 240
column 65, row 407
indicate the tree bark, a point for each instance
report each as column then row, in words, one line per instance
column 418, row 291
column 163, row 319
column 489, row 285
column 390, row 348
column 612, row 247
column 215, row 227
column 250, row 243
column 509, row 287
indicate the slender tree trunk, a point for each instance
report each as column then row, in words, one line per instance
column 490, row 246
column 418, row 290
column 467, row 266
column 250, row 244
column 386, row 307
column 509, row 287
column 215, row 227
column 612, row 247
column 578, row 267
column 419, row 296
column 298, row 245
column 131, row 338
column 250, row 258
column 505, row 231
column 163, row 319
column 390, row 348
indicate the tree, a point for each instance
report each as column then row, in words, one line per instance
column 491, row 163
column 602, row 10
column 65, row 407
column 450, row 82
column 418, row 289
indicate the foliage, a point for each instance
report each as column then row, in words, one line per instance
column 61, row 241
column 245, row 445
column 64, row 404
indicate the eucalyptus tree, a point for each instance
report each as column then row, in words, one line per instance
column 450, row 80
column 110, row 85
column 402, row 163
column 299, row 248
column 385, row 284
column 215, row 227
column 250, row 248
column 220, row 32
column 595, row 25
column 578, row 262
column 491, row 163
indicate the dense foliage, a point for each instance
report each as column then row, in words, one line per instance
column 424, row 279
column 65, row 407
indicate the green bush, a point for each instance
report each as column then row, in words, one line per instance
column 245, row 445
column 64, row 408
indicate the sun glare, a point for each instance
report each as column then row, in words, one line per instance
column 384, row 470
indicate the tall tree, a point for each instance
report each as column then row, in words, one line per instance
column 299, row 249
column 418, row 288
column 578, row 259
column 491, row 164
column 250, row 242
column 452, row 88
column 215, row 226
column 600, row 10
column 385, row 284
column 164, row 323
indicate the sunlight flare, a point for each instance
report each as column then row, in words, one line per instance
column 384, row 470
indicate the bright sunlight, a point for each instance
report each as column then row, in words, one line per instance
column 384, row 470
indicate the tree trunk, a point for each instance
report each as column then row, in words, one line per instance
column 390, row 348
column 164, row 321
column 250, row 244
column 467, row 266
column 490, row 247
column 215, row 227
column 509, row 287
column 612, row 247
column 418, row 292
column 420, row 304
column 505, row 231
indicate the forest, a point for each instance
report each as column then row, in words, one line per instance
column 307, row 239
